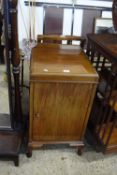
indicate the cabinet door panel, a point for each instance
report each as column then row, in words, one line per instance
column 59, row 110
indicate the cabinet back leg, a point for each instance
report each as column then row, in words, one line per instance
column 80, row 150
column 29, row 152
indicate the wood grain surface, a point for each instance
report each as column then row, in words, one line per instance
column 61, row 62
column 62, row 88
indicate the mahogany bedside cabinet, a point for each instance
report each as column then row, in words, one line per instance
column 62, row 88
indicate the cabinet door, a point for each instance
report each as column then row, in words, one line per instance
column 59, row 111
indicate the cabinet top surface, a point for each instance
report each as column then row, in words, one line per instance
column 56, row 61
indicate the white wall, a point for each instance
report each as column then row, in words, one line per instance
column 25, row 18
column 80, row 2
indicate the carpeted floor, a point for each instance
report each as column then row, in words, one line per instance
column 63, row 161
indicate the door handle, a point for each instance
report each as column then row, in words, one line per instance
column 37, row 115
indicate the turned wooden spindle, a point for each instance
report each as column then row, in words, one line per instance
column 15, row 61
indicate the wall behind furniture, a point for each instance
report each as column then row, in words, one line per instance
column 81, row 26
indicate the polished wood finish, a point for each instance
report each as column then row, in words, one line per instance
column 59, row 105
column 61, row 62
column 60, row 38
column 103, row 120
column 62, row 87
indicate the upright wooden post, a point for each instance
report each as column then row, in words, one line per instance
column 11, row 138
column 15, row 58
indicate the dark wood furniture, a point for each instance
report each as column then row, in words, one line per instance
column 104, row 45
column 10, row 142
column 11, row 137
column 102, row 52
column 62, row 87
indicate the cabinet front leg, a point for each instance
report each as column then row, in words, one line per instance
column 29, row 152
column 80, row 150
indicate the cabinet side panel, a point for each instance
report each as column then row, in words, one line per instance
column 92, row 94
